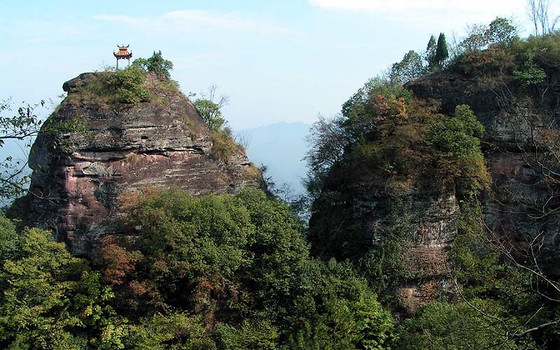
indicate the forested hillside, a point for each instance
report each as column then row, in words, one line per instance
column 433, row 200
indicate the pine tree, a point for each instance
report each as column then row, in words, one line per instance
column 431, row 52
column 442, row 52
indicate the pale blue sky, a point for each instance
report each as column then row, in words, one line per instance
column 277, row 60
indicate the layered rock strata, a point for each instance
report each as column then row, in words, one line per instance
column 89, row 152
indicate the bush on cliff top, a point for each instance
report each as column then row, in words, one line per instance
column 124, row 86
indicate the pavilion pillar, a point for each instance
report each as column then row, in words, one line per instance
column 122, row 54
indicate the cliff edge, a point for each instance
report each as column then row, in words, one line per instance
column 116, row 134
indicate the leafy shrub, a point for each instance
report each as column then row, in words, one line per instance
column 211, row 113
column 251, row 334
column 542, row 51
column 126, row 85
column 494, row 62
column 156, row 64
column 174, row 330
column 460, row 161
column 531, row 75
column 223, row 145
column 50, row 299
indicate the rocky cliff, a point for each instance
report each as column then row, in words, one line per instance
column 521, row 151
column 94, row 148
column 381, row 204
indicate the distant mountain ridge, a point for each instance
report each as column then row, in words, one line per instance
column 280, row 147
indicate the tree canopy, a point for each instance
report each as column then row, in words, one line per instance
column 22, row 126
column 156, row 64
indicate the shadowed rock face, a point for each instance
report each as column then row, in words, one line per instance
column 523, row 202
column 90, row 152
column 515, row 120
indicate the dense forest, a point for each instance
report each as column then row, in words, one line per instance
column 410, row 235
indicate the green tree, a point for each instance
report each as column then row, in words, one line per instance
column 431, row 52
column 338, row 310
column 209, row 106
column 409, row 68
column 50, row 299
column 441, row 52
column 22, row 126
column 501, row 31
column 237, row 266
column 156, row 64
column 8, row 239
column 193, row 253
column 211, row 113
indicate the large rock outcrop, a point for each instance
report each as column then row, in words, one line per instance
column 361, row 212
column 400, row 231
column 93, row 149
column 521, row 153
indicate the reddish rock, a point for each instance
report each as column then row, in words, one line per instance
column 523, row 202
column 90, row 152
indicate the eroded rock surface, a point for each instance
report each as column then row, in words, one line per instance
column 521, row 208
column 359, row 212
column 90, row 152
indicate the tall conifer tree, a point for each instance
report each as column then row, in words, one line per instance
column 442, row 53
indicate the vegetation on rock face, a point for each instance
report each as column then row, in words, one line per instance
column 113, row 88
column 124, row 86
column 156, row 64
column 224, row 145
column 22, row 126
column 128, row 86
column 210, row 109
column 241, row 272
column 395, row 147
column 388, row 150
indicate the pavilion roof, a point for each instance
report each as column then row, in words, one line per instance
column 123, row 52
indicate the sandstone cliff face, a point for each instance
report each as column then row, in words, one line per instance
column 520, row 151
column 408, row 234
column 360, row 211
column 90, row 152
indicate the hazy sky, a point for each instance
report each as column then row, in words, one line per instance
column 278, row 60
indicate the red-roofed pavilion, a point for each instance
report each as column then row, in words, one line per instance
column 123, row 54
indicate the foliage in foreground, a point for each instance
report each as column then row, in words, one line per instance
column 224, row 272
column 241, row 264
column 50, row 299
